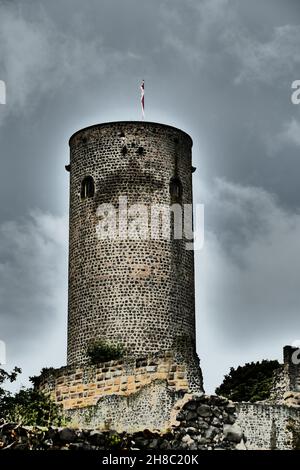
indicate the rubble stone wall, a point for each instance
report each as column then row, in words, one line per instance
column 199, row 422
column 267, row 426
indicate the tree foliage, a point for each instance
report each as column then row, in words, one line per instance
column 28, row 407
column 7, row 376
column 251, row 382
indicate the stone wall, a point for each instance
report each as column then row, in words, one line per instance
column 126, row 394
column 151, row 407
column 77, row 387
column 281, row 384
column 191, row 421
column 286, row 388
column 291, row 359
column 200, row 422
column 135, row 292
column 267, row 426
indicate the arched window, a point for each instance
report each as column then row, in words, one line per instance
column 175, row 189
column 87, row 187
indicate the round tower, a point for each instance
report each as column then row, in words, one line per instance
column 134, row 292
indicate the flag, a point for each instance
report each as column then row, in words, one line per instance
column 143, row 99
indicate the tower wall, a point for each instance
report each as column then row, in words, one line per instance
column 137, row 293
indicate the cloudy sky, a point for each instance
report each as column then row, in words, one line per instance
column 219, row 69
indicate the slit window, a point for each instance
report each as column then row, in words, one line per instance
column 87, row 187
column 175, row 189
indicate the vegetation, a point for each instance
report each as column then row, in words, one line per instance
column 101, row 351
column 114, row 441
column 7, row 376
column 28, row 407
column 251, row 382
column 36, row 379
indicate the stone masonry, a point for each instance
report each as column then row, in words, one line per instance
column 199, row 423
column 139, row 293
column 135, row 292
column 269, row 426
column 286, row 388
column 77, row 387
column 128, row 394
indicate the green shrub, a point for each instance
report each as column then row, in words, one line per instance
column 101, row 351
column 114, row 441
column 36, row 379
column 8, row 376
column 30, row 407
column 251, row 382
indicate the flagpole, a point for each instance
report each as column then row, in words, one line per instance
column 143, row 99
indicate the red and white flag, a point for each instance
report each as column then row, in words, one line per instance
column 143, row 99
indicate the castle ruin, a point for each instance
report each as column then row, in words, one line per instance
column 135, row 293
column 138, row 294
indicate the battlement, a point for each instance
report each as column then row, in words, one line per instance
column 119, row 129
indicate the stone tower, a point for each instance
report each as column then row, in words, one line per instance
column 137, row 292
column 133, row 291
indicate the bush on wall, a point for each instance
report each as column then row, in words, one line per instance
column 101, row 351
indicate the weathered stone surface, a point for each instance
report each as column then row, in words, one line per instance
column 266, row 425
column 233, row 432
column 150, row 407
column 96, row 381
column 127, row 290
column 204, row 410
column 241, row 446
column 130, row 291
column 67, row 435
column 191, row 415
column 287, row 379
column 201, row 434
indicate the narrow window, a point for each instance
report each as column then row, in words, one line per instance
column 87, row 187
column 175, row 189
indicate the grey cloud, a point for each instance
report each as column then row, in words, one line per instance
column 248, row 274
column 221, row 70
column 54, row 59
column 271, row 60
column 290, row 133
column 33, row 281
column 208, row 22
column 218, row 30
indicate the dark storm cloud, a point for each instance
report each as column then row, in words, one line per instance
column 220, row 69
column 33, row 285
